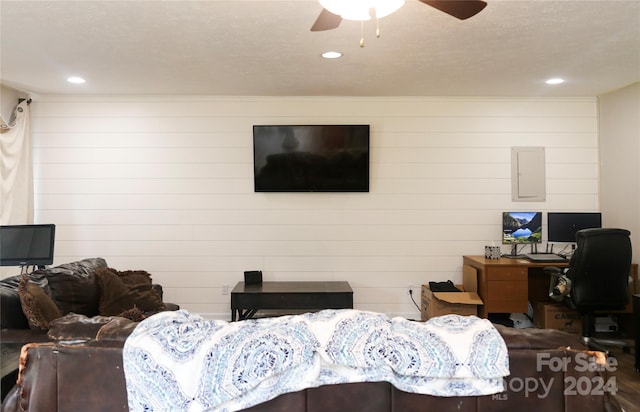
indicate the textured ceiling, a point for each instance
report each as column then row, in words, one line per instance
column 265, row 48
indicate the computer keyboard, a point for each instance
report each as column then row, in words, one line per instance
column 545, row 257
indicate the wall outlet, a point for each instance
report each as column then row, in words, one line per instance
column 225, row 289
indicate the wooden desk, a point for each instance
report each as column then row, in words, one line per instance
column 246, row 300
column 507, row 285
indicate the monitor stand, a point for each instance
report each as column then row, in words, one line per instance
column 514, row 253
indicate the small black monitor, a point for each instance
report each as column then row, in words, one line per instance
column 27, row 245
column 562, row 226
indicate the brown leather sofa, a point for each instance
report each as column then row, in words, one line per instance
column 72, row 287
column 544, row 364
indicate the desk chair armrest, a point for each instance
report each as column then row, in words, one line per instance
column 559, row 283
column 554, row 271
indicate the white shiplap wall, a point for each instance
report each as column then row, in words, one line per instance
column 165, row 184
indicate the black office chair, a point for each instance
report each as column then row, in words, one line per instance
column 597, row 279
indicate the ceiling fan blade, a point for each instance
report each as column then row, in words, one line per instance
column 326, row 21
column 461, row 9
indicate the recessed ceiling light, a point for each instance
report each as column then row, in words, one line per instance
column 555, row 80
column 331, row 55
column 75, row 80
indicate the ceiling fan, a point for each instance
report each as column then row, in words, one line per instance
column 460, row 9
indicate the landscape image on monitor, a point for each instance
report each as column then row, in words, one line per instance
column 521, row 227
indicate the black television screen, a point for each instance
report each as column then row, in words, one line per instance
column 521, row 227
column 26, row 245
column 562, row 226
column 311, row 158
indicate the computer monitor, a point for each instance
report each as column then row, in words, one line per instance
column 521, row 228
column 27, row 245
column 562, row 226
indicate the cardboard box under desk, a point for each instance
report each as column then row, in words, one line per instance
column 558, row 316
column 444, row 303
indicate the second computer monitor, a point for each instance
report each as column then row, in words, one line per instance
column 562, row 226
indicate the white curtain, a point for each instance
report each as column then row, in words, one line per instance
column 16, row 169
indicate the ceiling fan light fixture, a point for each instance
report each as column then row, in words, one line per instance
column 359, row 10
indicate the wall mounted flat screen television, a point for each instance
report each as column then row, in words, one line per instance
column 27, row 245
column 311, row 158
column 562, row 226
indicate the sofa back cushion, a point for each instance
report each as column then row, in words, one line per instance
column 72, row 286
column 11, row 314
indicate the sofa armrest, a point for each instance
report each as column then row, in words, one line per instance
column 70, row 377
column 167, row 306
column 11, row 402
column 158, row 288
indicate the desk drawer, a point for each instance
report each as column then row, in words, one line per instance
column 508, row 290
column 507, row 296
column 507, row 273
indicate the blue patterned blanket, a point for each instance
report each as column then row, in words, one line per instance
column 177, row 361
